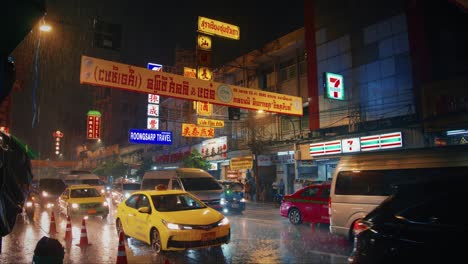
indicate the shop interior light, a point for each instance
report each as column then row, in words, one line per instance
column 457, row 132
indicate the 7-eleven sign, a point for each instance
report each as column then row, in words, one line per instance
column 334, row 88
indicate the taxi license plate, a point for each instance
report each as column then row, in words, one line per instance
column 208, row 236
column 91, row 211
column 235, row 205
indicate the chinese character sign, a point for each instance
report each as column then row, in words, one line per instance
column 204, row 109
column 153, row 98
column 153, row 110
column 152, row 123
column 93, row 129
column 191, row 130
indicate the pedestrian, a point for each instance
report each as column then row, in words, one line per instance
column 247, row 190
column 48, row 251
column 280, row 187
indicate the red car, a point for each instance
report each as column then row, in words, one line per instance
column 309, row 204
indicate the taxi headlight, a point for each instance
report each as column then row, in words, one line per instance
column 171, row 225
column 103, row 191
column 222, row 201
column 29, row 204
column 223, row 222
column 242, row 200
column 105, row 204
column 127, row 195
column 45, row 194
column 75, row 206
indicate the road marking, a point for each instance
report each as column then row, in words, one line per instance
column 327, row 253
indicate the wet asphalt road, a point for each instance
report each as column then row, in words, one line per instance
column 259, row 235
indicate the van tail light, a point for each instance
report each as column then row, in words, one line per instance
column 360, row 226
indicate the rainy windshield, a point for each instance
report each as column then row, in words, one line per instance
column 130, row 186
column 150, row 184
column 200, row 184
column 84, row 193
column 175, row 202
column 234, row 186
column 54, row 186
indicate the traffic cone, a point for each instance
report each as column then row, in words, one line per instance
column 68, row 233
column 121, row 255
column 84, row 235
column 52, row 228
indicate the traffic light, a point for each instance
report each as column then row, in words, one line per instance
column 234, row 113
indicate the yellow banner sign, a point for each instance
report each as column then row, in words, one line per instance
column 123, row 76
column 204, row 109
column 210, row 122
column 241, row 163
column 204, row 42
column 218, row 28
column 191, row 130
column 190, row 72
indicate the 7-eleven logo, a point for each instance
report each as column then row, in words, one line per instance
column 334, row 86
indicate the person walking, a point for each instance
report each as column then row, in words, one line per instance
column 280, row 187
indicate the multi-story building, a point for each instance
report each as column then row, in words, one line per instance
column 392, row 66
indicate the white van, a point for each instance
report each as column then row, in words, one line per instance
column 85, row 177
column 363, row 181
column 196, row 181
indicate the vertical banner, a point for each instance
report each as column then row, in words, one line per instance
column 93, row 124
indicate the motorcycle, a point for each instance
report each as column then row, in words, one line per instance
column 278, row 198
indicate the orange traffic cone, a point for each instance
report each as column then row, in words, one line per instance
column 68, row 234
column 84, row 235
column 121, row 255
column 52, row 228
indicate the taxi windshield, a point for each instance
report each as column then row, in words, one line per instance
column 175, row 202
column 84, row 193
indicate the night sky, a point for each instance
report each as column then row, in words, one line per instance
column 155, row 28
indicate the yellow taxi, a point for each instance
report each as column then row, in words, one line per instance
column 171, row 220
column 83, row 199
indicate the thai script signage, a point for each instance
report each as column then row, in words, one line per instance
column 218, row 28
column 241, row 163
column 122, row 76
column 210, row 122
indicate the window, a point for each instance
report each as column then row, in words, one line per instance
column 325, row 192
column 176, row 185
column 383, row 182
column 132, row 201
column 150, row 184
column 142, row 202
column 310, row 192
column 200, row 184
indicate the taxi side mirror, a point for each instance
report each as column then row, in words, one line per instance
column 64, row 197
column 144, row 210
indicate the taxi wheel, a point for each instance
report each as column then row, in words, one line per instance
column 295, row 216
column 156, row 244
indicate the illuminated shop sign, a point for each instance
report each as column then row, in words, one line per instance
column 191, row 130
column 218, row 28
column 334, row 88
column 349, row 145
column 142, row 136
column 190, row 72
column 93, row 126
column 210, row 122
column 204, row 42
column 154, row 66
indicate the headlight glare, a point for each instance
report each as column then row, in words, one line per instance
column 223, row 222
column 45, row 194
column 222, row 201
column 171, row 225
column 74, row 206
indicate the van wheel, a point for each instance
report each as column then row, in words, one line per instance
column 295, row 216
